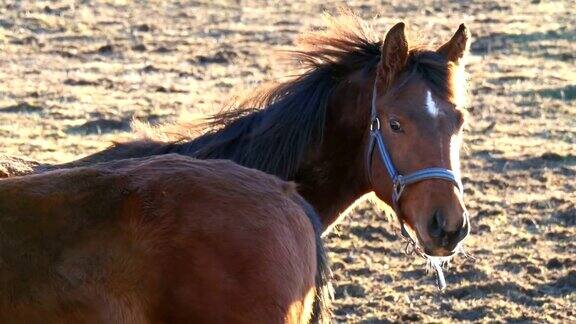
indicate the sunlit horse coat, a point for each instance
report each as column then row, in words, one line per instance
column 163, row 239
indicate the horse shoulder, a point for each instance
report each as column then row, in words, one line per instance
column 243, row 249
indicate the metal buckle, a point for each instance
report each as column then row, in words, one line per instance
column 375, row 124
column 398, row 187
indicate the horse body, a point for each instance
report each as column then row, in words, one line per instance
column 165, row 239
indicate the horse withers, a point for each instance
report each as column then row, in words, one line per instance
column 162, row 239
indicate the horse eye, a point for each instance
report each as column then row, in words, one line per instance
column 395, row 125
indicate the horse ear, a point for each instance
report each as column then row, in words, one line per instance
column 457, row 47
column 394, row 53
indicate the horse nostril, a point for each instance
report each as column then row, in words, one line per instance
column 435, row 227
column 465, row 229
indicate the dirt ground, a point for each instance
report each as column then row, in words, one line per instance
column 75, row 73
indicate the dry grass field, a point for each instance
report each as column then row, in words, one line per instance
column 73, row 74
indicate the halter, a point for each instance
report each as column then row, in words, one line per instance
column 399, row 182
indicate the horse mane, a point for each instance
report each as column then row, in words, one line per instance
column 275, row 127
column 346, row 45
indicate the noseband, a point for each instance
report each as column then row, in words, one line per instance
column 399, row 181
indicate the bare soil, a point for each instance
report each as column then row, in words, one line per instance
column 75, row 73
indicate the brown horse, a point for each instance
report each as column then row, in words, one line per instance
column 319, row 128
column 159, row 240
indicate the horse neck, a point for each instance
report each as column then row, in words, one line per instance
column 335, row 176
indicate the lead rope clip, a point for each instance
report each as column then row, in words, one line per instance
column 398, row 188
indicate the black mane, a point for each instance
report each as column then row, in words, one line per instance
column 290, row 123
column 274, row 139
